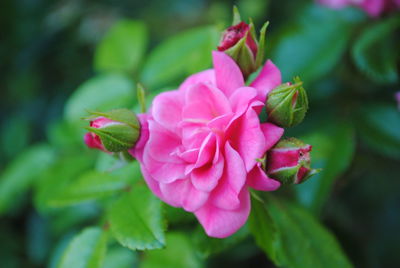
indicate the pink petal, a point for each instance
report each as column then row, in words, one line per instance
column 258, row 180
column 207, row 151
column 162, row 145
column 247, row 138
column 167, row 109
column 225, row 195
column 241, row 99
column 221, row 223
column 227, row 73
column 137, row 150
column 153, row 184
column 373, row 7
column 181, row 193
column 205, row 102
column 268, row 79
column 207, row 76
column 207, row 177
column 272, row 134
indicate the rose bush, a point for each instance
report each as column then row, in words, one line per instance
column 200, row 144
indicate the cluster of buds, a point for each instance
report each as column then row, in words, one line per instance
column 286, row 105
column 112, row 132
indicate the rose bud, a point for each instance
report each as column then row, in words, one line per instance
column 287, row 104
column 114, row 131
column 289, row 162
column 239, row 41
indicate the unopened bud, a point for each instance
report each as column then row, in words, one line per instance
column 239, row 41
column 287, row 104
column 115, row 131
column 289, row 162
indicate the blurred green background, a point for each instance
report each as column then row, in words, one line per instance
column 59, row 58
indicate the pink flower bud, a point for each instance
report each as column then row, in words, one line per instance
column 289, row 161
column 239, row 41
column 234, row 34
column 114, row 131
column 91, row 139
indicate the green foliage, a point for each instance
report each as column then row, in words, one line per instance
column 382, row 135
column 182, row 54
column 333, row 149
column 300, row 240
column 376, row 51
column 136, row 219
column 263, row 228
column 179, row 252
column 21, row 173
column 86, row 250
column 122, row 48
column 309, row 51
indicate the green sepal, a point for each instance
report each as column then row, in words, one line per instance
column 116, row 137
column 236, row 16
column 287, row 104
column 120, row 115
column 243, row 56
column 261, row 45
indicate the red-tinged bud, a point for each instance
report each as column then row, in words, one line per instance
column 240, row 42
column 114, row 131
column 289, row 161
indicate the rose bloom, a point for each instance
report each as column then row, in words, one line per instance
column 374, row 8
column 200, row 143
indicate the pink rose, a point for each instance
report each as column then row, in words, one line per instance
column 199, row 144
column 374, row 8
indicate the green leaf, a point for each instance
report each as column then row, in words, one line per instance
column 376, row 52
column 209, row 246
column 86, row 250
column 379, row 126
column 57, row 177
column 95, row 184
column 181, row 55
column 21, row 173
column 119, row 257
column 136, row 219
column 179, row 252
column 263, row 228
column 301, row 240
column 304, row 49
column 333, row 150
column 101, row 93
column 122, row 47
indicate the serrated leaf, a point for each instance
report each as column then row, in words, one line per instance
column 179, row 252
column 376, row 51
column 301, row 240
column 21, row 173
column 379, row 126
column 86, row 250
column 182, row 54
column 333, row 150
column 101, row 93
column 122, row 47
column 136, row 219
column 304, row 49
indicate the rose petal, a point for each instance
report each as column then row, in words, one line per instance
column 258, row 180
column 227, row 73
column 225, row 195
column 207, row 76
column 167, row 109
column 221, row 223
column 272, row 134
column 268, row 79
column 207, row 177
